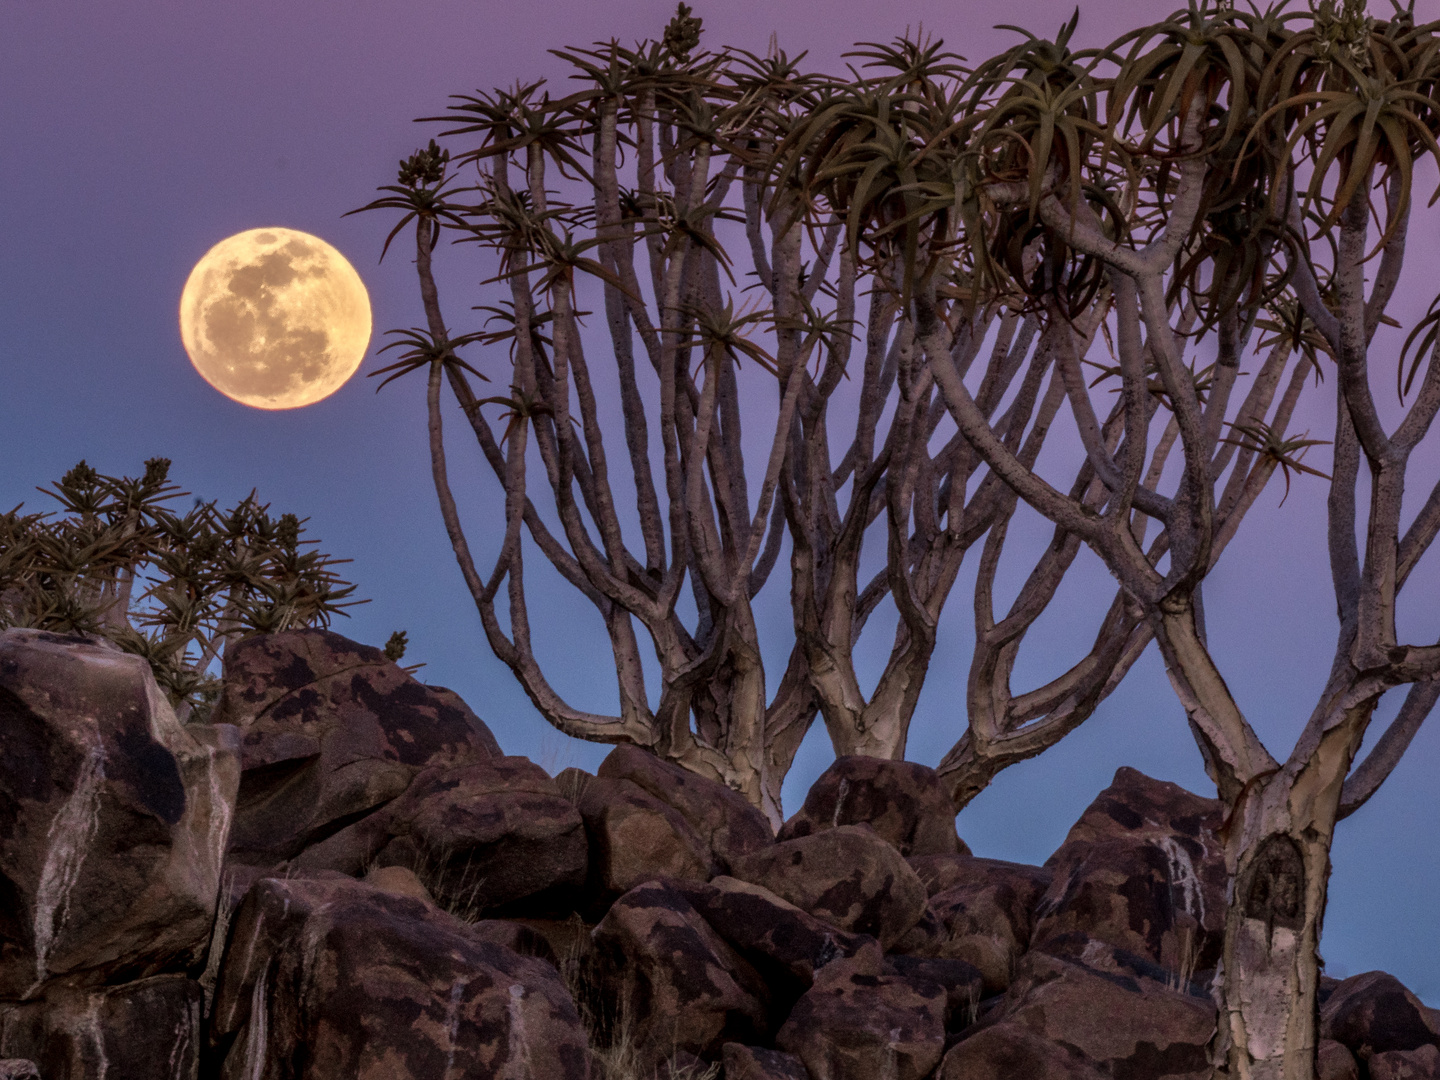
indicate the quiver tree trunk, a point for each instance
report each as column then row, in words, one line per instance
column 1270, row 966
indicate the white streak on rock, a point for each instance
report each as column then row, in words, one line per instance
column 66, row 844
column 518, row 1036
column 452, row 1023
column 1184, row 877
column 257, row 1032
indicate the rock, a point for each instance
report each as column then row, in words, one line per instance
column 489, row 836
column 1142, row 869
column 985, row 911
column 941, row 873
column 399, row 881
column 1422, row 1063
column 756, row 1063
column 1327, row 986
column 963, row 985
column 1374, row 1013
column 783, row 942
column 857, row 1023
column 846, row 876
column 729, row 825
column 517, row 937
column 1334, row 1062
column 1110, row 960
column 333, row 978
column 18, row 1069
column 925, row 938
column 145, row 1030
column 906, row 804
column 1012, row 1052
column 1120, row 1022
column 331, row 730
column 635, row 837
column 668, row 981
column 113, row 816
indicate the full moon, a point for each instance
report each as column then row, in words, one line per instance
column 275, row 318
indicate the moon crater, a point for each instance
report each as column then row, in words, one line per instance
column 275, row 318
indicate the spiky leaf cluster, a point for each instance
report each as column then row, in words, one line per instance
column 120, row 563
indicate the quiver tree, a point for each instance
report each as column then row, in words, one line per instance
column 1285, row 147
column 837, row 249
column 174, row 588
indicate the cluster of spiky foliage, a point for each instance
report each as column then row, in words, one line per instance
column 911, row 264
column 172, row 587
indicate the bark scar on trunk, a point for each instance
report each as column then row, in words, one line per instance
column 1275, row 890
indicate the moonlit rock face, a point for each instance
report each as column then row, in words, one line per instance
column 275, row 318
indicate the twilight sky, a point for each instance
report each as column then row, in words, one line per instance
column 137, row 135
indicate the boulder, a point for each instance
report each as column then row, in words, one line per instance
column 330, row 730
column 846, row 876
column 1102, row 1005
column 144, row 1030
column 784, row 943
column 1008, row 1051
column 517, row 937
column 114, row 817
column 1374, row 1013
column 487, row 836
column 1422, row 1063
column 634, row 838
column 399, row 881
column 666, row 981
column 857, row 1023
column 963, row 985
column 1111, row 960
column 984, row 910
column 756, row 1063
column 18, row 1069
column 925, row 938
column 941, row 873
column 730, row 827
column 329, row 977
column 906, row 804
column 1144, row 870
column 1333, row 1061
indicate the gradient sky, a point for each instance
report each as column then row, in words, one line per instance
column 134, row 136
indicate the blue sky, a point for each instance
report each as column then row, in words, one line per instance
column 137, row 135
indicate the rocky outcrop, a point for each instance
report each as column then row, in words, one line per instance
column 847, row 877
column 329, row 977
column 489, row 836
column 756, row 1063
column 1422, row 1063
column 330, row 731
column 635, row 837
column 1114, row 1010
column 670, row 982
column 1374, row 1013
column 859, row 1023
column 984, row 910
column 409, row 903
column 784, row 943
column 113, row 817
column 905, row 803
column 1334, row 1061
column 729, row 827
column 1144, row 870
column 1009, row 1051
column 148, row 1030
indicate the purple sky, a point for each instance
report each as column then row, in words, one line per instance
column 137, row 135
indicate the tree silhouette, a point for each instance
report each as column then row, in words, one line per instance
column 174, row 588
